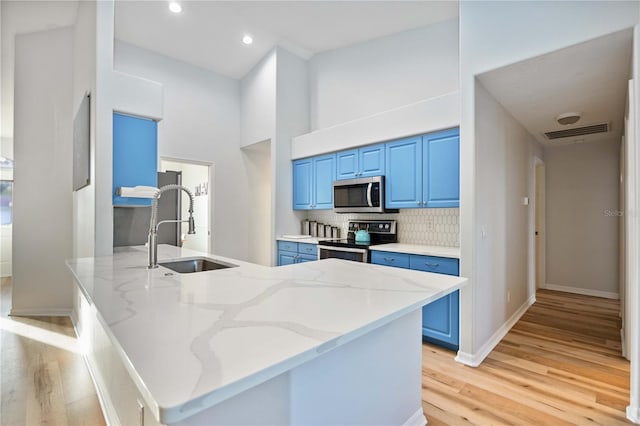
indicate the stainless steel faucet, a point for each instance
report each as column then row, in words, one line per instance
column 153, row 226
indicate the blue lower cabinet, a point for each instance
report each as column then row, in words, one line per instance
column 399, row 260
column 440, row 319
column 290, row 252
column 286, row 258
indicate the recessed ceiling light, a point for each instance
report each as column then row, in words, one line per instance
column 567, row 118
column 247, row 39
column 175, row 7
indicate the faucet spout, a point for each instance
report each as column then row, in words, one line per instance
column 152, row 242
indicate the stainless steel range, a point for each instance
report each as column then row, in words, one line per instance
column 380, row 232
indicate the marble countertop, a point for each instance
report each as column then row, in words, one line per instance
column 441, row 251
column 191, row 341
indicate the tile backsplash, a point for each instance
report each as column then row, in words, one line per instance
column 434, row 227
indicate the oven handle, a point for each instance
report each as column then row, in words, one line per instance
column 364, row 252
column 369, row 188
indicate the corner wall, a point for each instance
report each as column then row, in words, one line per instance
column 43, row 150
column 582, row 217
column 502, row 249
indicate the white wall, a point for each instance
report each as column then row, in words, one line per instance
column 258, row 162
column 383, row 74
column 104, row 33
column 582, row 183
column 495, row 34
column 258, row 102
column 43, row 171
column 201, row 123
column 275, row 108
column 84, row 81
column 258, row 130
column 292, row 119
column 502, row 254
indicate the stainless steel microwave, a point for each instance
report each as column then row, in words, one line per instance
column 362, row 195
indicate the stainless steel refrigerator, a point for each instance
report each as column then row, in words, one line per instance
column 131, row 224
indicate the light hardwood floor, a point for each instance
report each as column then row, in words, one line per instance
column 560, row 364
column 44, row 378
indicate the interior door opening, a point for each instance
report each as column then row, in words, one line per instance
column 197, row 178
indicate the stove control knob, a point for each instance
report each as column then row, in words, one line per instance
column 380, row 226
column 386, row 226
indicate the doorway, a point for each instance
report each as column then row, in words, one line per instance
column 197, row 177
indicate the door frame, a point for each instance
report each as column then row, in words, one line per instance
column 533, row 241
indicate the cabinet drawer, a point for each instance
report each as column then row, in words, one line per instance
column 306, row 258
column 306, row 248
column 288, row 246
column 399, row 260
column 440, row 265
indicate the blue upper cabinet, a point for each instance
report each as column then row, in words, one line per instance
column 325, row 174
column 404, row 173
column 135, row 156
column 347, row 164
column 361, row 162
column 302, row 180
column 313, row 182
column 441, row 163
column 424, row 171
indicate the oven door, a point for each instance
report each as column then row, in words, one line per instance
column 346, row 253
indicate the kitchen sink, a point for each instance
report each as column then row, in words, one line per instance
column 195, row 264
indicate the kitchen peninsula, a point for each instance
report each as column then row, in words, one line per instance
column 326, row 342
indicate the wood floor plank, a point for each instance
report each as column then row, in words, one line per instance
column 43, row 381
column 560, row 364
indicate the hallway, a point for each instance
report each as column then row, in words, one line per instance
column 560, row 364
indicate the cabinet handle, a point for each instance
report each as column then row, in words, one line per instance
column 388, row 259
column 424, row 203
column 432, row 265
column 418, row 202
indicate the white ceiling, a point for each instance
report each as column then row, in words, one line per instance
column 590, row 78
column 20, row 17
column 208, row 33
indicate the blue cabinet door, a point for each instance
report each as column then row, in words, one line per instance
column 403, row 163
column 302, row 180
column 286, row 258
column 325, row 174
column 361, row 162
column 347, row 164
column 441, row 321
column 135, row 156
column 398, row 260
column 441, row 164
column 371, row 160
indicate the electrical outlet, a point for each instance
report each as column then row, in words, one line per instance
column 430, row 224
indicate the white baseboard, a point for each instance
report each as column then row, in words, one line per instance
column 633, row 414
column 583, row 291
column 418, row 419
column 475, row 359
column 40, row 312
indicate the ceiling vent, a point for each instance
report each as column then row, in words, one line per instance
column 578, row 131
